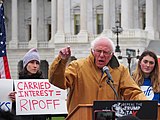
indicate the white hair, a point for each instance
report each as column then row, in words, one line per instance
column 105, row 38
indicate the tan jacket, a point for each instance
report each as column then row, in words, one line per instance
column 86, row 82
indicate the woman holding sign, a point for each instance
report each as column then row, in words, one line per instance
column 31, row 70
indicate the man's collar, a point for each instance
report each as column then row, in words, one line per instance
column 113, row 63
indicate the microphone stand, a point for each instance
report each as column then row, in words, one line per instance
column 109, row 82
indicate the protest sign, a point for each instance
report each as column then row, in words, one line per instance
column 38, row 96
column 6, row 86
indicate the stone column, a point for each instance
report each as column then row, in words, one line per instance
column 136, row 15
column 150, row 14
column 106, row 16
column 53, row 22
column 14, row 38
column 151, row 18
column 83, row 35
column 90, row 15
column 33, row 42
column 127, row 14
column 59, row 36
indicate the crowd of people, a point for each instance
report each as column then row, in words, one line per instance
column 99, row 76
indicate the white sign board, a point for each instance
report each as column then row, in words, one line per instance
column 38, row 96
column 6, row 86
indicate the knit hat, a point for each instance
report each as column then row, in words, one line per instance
column 32, row 54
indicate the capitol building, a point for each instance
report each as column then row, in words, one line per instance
column 50, row 25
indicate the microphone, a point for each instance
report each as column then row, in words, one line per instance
column 105, row 69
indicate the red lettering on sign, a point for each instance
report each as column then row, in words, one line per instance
column 33, row 85
column 58, row 92
column 23, row 103
column 55, row 104
column 48, row 102
column 42, row 104
column 20, row 94
column 34, row 102
column 26, row 105
column 18, row 85
column 134, row 113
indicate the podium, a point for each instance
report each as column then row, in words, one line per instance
column 158, row 118
column 84, row 112
column 81, row 112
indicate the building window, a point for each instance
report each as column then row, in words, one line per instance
column 49, row 0
column 76, row 24
column 120, row 19
column 99, row 23
column 44, row 68
column 143, row 20
column 29, row 32
column 142, row 14
column 29, row 0
column 20, row 66
column 49, row 31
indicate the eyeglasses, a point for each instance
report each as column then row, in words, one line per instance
column 106, row 53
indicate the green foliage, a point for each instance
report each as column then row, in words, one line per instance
column 58, row 118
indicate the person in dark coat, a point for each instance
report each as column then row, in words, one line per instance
column 31, row 70
column 6, row 115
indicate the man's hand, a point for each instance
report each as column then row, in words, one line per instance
column 65, row 53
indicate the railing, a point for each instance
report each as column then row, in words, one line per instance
column 92, row 37
column 134, row 34
column 23, row 44
column 42, row 45
column 70, row 38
